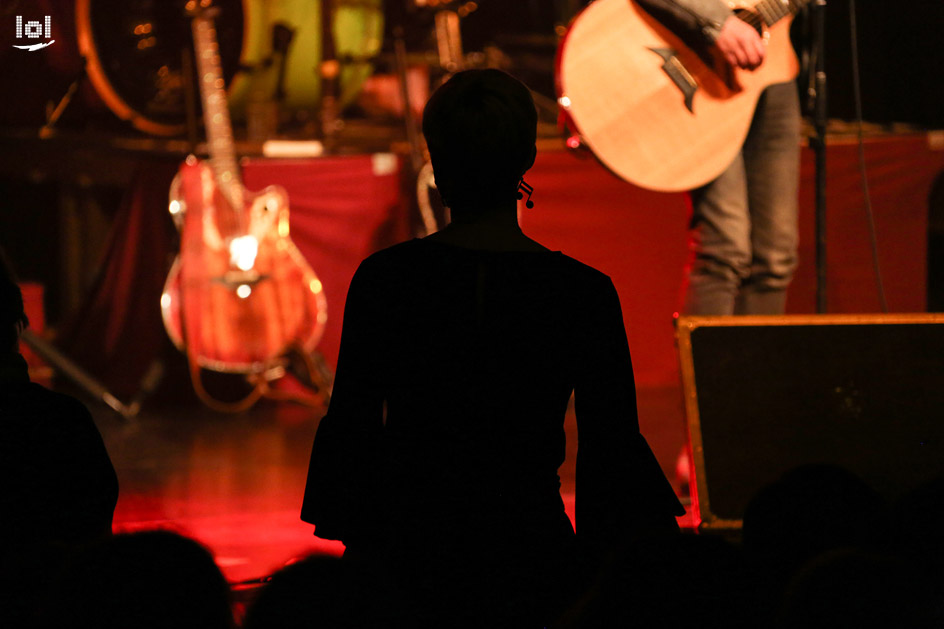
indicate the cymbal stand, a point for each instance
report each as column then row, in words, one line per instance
column 330, row 77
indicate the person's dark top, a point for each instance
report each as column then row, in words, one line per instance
column 58, row 483
column 445, row 429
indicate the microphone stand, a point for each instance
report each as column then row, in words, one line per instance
column 817, row 95
column 330, row 79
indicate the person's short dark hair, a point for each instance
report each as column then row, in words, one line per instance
column 13, row 318
column 810, row 510
column 318, row 591
column 149, row 580
column 853, row 588
column 480, row 127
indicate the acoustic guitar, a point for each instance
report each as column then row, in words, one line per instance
column 240, row 294
column 656, row 112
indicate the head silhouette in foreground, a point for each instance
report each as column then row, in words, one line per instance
column 149, row 579
column 480, row 127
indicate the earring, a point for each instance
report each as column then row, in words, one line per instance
column 525, row 189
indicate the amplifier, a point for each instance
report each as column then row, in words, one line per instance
column 765, row 394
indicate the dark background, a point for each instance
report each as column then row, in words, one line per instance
column 900, row 47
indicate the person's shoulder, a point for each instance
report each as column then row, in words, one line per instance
column 583, row 272
column 391, row 255
column 378, row 261
column 60, row 404
column 386, row 266
column 39, row 411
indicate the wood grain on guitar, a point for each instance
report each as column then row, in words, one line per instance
column 653, row 110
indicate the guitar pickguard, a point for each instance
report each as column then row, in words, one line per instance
column 679, row 75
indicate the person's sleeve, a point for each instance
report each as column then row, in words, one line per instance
column 621, row 493
column 342, row 491
column 705, row 17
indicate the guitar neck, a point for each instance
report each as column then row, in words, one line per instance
column 216, row 110
column 772, row 11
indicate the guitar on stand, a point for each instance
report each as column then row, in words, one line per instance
column 240, row 296
column 656, row 112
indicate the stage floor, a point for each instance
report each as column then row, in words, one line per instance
column 235, row 482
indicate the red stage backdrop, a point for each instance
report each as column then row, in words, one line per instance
column 638, row 237
column 344, row 208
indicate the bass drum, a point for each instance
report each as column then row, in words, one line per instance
column 357, row 29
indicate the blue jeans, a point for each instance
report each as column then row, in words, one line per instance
column 744, row 223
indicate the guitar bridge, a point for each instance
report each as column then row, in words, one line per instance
column 235, row 278
column 682, row 78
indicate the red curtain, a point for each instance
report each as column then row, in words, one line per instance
column 344, row 208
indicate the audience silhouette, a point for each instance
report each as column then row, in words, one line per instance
column 146, row 580
column 668, row 582
column 438, row 456
column 811, row 510
column 852, row 587
column 58, row 488
column 318, row 591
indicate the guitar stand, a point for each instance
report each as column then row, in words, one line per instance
column 316, row 381
column 48, row 352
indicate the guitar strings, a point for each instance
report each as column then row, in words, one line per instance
column 765, row 12
column 770, row 11
column 753, row 19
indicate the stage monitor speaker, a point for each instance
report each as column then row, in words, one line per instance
column 766, row 394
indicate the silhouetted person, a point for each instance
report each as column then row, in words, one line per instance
column 917, row 538
column 318, row 592
column 668, row 583
column 147, row 580
column 459, row 353
column 811, row 510
column 854, row 588
column 58, row 488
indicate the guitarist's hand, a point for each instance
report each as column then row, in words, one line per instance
column 740, row 44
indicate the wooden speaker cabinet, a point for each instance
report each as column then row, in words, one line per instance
column 764, row 394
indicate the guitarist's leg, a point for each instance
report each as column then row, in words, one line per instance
column 772, row 160
column 719, row 241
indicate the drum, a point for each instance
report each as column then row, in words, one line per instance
column 134, row 53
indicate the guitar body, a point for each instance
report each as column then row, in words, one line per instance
column 230, row 310
column 653, row 110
